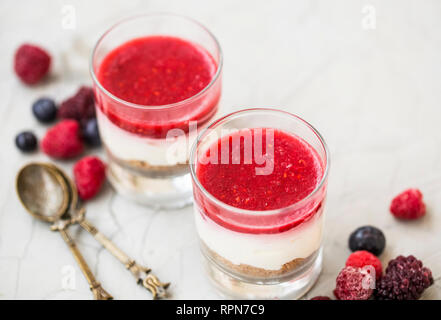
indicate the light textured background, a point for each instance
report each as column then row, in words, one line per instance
column 374, row 95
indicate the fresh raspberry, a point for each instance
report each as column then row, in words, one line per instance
column 408, row 205
column 80, row 107
column 63, row 141
column 360, row 259
column 405, row 279
column 31, row 63
column 89, row 173
column 354, row 284
column 321, row 298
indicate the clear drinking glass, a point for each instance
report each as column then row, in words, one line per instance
column 150, row 167
column 247, row 265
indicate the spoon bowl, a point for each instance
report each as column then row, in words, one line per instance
column 43, row 192
column 71, row 188
column 46, row 195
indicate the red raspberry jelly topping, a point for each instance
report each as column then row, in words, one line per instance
column 157, row 71
column 296, row 172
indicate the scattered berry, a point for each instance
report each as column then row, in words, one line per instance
column 360, row 259
column 405, row 279
column 91, row 134
column 408, row 205
column 353, row 284
column 321, row 298
column 26, row 141
column 89, row 174
column 45, row 110
column 31, row 63
column 367, row 238
column 63, row 141
column 80, row 107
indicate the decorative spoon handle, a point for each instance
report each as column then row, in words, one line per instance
column 141, row 274
column 98, row 292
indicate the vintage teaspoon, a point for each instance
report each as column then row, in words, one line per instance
column 45, row 195
column 142, row 275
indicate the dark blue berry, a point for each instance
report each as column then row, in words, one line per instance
column 91, row 134
column 45, row 110
column 26, row 141
column 367, row 238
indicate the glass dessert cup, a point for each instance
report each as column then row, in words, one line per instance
column 260, row 254
column 148, row 145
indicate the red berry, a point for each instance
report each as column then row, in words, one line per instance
column 321, row 298
column 80, row 107
column 360, row 259
column 354, row 284
column 89, row 173
column 408, row 205
column 63, row 141
column 31, row 63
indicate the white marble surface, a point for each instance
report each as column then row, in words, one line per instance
column 375, row 94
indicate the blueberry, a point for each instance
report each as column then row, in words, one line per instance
column 26, row 141
column 91, row 134
column 44, row 110
column 367, row 238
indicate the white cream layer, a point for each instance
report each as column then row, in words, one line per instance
column 128, row 146
column 266, row 251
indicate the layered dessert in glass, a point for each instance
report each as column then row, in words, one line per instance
column 259, row 182
column 157, row 79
